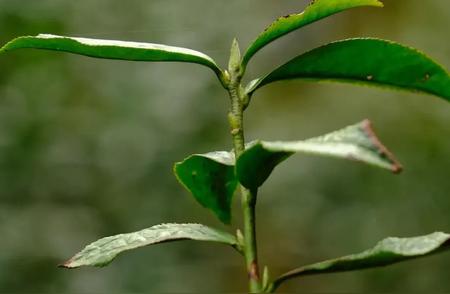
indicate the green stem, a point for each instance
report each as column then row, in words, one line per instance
column 235, row 116
column 250, row 249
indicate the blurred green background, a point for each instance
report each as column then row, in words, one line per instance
column 87, row 147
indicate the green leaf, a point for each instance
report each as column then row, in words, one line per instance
column 103, row 251
column 386, row 252
column 365, row 61
column 111, row 49
column 357, row 142
column 211, row 180
column 317, row 10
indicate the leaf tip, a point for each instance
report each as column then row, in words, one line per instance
column 396, row 166
column 12, row 44
column 4, row 48
column 446, row 243
column 67, row 264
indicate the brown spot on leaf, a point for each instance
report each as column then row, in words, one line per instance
column 396, row 167
column 426, row 77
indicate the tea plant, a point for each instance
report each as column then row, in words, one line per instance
column 213, row 178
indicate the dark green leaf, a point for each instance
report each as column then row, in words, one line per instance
column 103, row 251
column 211, row 180
column 386, row 252
column 317, row 10
column 365, row 61
column 112, row 49
column 357, row 142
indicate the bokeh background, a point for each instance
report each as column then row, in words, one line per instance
column 87, row 147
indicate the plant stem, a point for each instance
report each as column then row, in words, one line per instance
column 250, row 249
column 248, row 198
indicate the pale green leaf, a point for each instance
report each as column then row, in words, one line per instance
column 103, row 251
column 357, row 142
column 317, row 10
column 386, row 252
column 365, row 61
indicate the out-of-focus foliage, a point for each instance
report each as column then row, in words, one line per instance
column 87, row 147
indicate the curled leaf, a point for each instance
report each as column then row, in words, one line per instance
column 112, row 49
column 211, row 180
column 317, row 10
column 357, row 142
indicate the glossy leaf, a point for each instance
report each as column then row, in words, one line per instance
column 211, row 180
column 365, row 61
column 357, row 142
column 317, row 10
column 112, row 49
column 103, row 251
column 386, row 252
